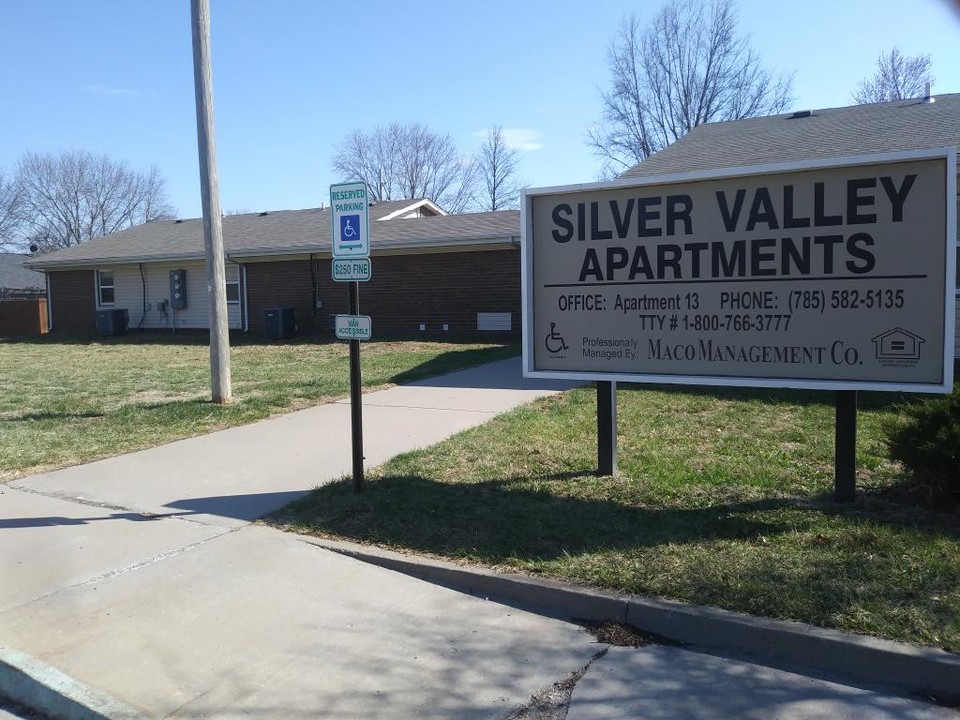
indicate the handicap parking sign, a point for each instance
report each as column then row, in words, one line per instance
column 350, row 220
column 350, row 230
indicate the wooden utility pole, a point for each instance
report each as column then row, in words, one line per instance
column 220, row 385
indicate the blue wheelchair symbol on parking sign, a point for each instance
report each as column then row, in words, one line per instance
column 350, row 230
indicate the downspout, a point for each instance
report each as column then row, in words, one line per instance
column 143, row 285
column 315, row 302
column 246, row 309
column 46, row 281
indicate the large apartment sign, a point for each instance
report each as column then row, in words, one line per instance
column 833, row 274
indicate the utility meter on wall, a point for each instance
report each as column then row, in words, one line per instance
column 178, row 289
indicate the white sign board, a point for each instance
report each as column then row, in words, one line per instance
column 832, row 274
column 351, row 269
column 353, row 327
column 350, row 220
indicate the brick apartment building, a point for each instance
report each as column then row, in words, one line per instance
column 432, row 273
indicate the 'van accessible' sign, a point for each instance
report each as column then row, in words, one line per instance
column 353, row 327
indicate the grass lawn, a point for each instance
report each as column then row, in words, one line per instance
column 63, row 403
column 723, row 498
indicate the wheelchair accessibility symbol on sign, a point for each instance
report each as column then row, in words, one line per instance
column 554, row 341
column 350, row 230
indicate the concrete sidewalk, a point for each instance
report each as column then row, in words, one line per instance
column 237, row 475
column 669, row 683
column 140, row 577
column 140, row 582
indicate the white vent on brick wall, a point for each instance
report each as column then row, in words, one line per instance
column 493, row 321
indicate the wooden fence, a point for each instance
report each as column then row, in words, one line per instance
column 23, row 317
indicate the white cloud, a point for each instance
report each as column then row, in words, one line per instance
column 523, row 139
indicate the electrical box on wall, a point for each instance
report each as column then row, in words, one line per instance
column 178, row 289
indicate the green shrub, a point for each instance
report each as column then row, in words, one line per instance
column 928, row 444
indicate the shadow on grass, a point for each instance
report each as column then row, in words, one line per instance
column 738, row 555
column 134, row 338
column 496, row 521
column 907, row 503
column 188, row 336
column 194, row 336
column 208, row 414
column 53, row 415
column 499, row 519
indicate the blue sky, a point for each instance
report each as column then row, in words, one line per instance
column 293, row 77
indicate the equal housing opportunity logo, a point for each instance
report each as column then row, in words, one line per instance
column 898, row 347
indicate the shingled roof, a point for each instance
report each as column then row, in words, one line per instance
column 286, row 232
column 828, row 133
column 14, row 276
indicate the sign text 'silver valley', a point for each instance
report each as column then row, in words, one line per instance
column 813, row 246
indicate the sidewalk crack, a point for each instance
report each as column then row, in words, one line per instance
column 160, row 557
column 81, row 501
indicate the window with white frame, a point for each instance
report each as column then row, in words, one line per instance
column 233, row 283
column 105, row 287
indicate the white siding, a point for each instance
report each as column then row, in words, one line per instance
column 156, row 278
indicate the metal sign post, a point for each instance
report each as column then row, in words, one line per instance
column 606, row 428
column 350, row 245
column 356, row 409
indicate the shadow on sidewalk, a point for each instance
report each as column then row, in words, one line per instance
column 248, row 507
column 502, row 375
column 240, row 507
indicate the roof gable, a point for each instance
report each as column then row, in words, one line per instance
column 419, row 208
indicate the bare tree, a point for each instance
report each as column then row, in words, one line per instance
column 497, row 164
column 73, row 197
column 10, row 211
column 897, row 77
column 408, row 161
column 688, row 66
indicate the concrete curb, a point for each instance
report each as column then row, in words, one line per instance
column 914, row 669
column 43, row 688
